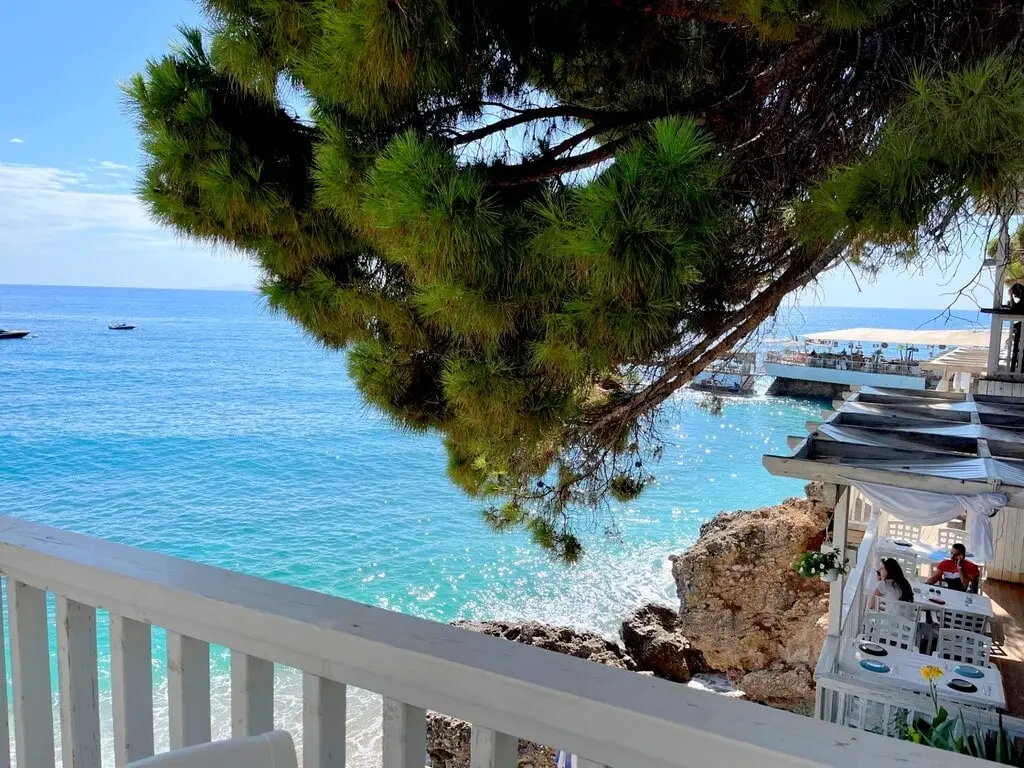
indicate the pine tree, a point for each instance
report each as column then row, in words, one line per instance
column 530, row 223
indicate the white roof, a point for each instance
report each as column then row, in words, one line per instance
column 944, row 442
column 951, row 338
column 960, row 360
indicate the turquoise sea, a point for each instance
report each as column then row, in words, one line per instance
column 218, row 432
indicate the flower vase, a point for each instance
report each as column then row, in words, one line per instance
column 832, row 574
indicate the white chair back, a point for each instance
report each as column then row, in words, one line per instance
column 898, row 529
column 887, row 629
column 965, row 647
column 268, row 750
column 908, row 561
column 964, row 622
column 950, row 536
column 907, row 611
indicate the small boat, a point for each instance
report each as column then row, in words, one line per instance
column 121, row 327
column 733, row 376
column 4, row 334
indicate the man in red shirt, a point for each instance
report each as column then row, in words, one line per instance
column 957, row 572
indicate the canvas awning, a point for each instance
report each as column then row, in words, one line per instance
column 961, row 360
column 940, row 442
column 950, row 338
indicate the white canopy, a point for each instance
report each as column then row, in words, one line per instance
column 962, row 360
column 925, row 508
column 970, row 338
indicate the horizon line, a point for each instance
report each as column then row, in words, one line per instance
column 214, row 289
column 255, row 289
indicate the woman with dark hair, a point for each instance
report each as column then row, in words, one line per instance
column 892, row 584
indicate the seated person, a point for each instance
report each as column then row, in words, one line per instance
column 892, row 584
column 957, row 572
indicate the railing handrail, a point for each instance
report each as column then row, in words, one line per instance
column 865, row 365
column 608, row 715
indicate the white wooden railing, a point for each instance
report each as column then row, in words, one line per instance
column 508, row 691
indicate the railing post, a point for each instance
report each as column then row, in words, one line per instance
column 323, row 722
column 491, row 749
column 188, row 690
column 30, row 671
column 252, row 695
column 131, row 682
column 79, row 684
column 405, row 735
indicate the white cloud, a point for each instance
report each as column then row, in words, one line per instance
column 108, row 165
column 37, row 202
column 62, row 227
column 17, row 141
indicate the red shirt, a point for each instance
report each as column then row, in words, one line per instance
column 950, row 570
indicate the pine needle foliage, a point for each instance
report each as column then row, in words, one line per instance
column 528, row 224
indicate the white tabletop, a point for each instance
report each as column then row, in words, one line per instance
column 952, row 600
column 905, row 674
column 929, row 552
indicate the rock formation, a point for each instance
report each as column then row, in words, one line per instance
column 652, row 635
column 746, row 610
column 818, row 390
column 743, row 612
column 448, row 738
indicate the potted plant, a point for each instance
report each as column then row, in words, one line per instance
column 826, row 564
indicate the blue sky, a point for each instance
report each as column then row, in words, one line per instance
column 68, row 158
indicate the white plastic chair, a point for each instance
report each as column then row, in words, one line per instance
column 898, row 529
column 909, row 563
column 268, row 750
column 907, row 611
column 964, row 622
column 950, row 536
column 965, row 647
column 887, row 629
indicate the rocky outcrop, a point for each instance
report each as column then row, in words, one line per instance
column 818, row 390
column 653, row 636
column 448, row 738
column 742, row 605
column 572, row 642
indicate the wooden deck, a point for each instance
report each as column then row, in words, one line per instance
column 1008, row 639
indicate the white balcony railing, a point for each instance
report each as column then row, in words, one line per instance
column 839, row 363
column 508, row 691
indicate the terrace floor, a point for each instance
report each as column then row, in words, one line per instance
column 1008, row 639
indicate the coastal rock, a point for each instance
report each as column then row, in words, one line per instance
column 746, row 610
column 779, row 685
column 572, row 642
column 653, row 638
column 818, row 390
column 448, row 738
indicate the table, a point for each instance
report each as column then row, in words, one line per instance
column 963, row 602
column 905, row 674
column 934, row 554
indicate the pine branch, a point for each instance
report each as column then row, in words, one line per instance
column 607, row 119
column 684, row 9
column 550, row 168
column 681, row 369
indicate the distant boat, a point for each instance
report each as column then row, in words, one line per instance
column 13, row 334
column 121, row 327
column 733, row 376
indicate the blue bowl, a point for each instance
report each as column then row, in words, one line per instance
column 966, row 670
column 874, row 666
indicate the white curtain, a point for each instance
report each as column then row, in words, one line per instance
column 927, row 508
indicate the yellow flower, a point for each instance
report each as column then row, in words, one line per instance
column 931, row 673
